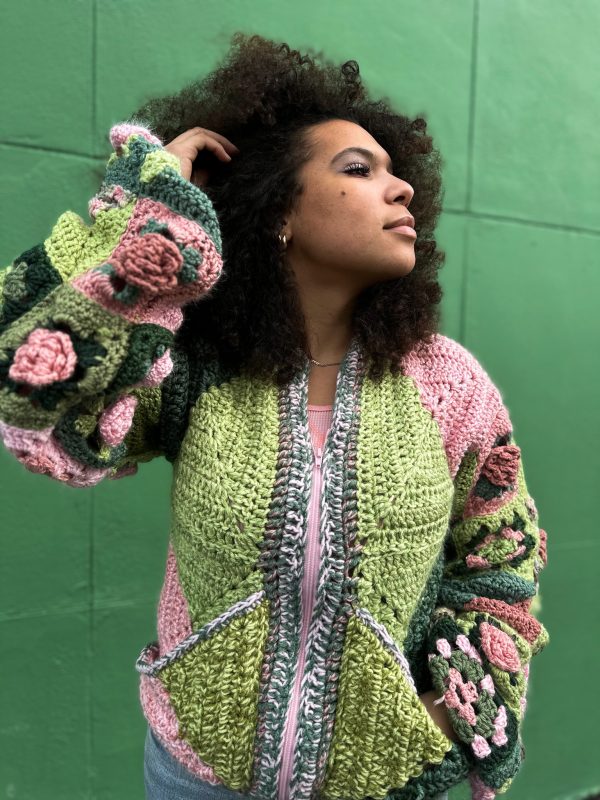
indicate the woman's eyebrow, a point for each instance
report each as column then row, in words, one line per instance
column 363, row 151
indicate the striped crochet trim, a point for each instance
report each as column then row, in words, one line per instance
column 336, row 594
column 388, row 643
column 285, row 533
column 147, row 665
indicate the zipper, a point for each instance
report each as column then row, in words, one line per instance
column 309, row 584
column 319, row 456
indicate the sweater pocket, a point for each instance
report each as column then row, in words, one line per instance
column 383, row 735
column 203, row 693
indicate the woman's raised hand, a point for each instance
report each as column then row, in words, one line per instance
column 187, row 145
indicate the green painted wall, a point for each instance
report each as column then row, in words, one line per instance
column 510, row 90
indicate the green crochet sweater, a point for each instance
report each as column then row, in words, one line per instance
column 430, row 547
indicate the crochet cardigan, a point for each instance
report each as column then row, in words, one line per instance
column 429, row 549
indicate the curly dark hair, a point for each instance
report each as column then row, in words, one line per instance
column 263, row 97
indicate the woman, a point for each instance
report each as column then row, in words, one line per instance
column 346, row 611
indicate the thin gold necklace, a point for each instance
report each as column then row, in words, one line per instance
column 334, row 364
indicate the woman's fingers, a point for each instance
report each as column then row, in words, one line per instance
column 227, row 145
column 194, row 133
column 215, row 147
column 190, row 143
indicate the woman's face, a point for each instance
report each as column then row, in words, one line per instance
column 336, row 232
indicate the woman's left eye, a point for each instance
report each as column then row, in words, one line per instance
column 355, row 168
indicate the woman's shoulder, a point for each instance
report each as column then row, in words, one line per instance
column 455, row 387
column 441, row 359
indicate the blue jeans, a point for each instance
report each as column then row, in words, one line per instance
column 166, row 779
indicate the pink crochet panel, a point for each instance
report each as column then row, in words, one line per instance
column 460, row 395
column 40, row 452
column 174, row 625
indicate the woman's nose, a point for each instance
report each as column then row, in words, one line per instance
column 403, row 193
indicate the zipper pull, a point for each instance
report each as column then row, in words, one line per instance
column 319, row 456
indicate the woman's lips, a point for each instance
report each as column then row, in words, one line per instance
column 405, row 229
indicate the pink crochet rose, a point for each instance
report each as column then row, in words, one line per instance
column 499, row 648
column 151, row 263
column 45, row 357
column 502, row 465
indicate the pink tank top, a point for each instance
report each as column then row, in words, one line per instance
column 319, row 421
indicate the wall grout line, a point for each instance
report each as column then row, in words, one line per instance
column 6, row 143
column 470, row 156
column 91, row 773
column 45, row 613
column 94, row 110
column 532, row 223
column 472, row 102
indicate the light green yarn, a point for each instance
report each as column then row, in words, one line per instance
column 404, row 499
column 155, row 163
column 463, row 481
column 73, row 247
column 139, row 439
column 86, row 423
column 221, row 493
column 383, row 734
column 65, row 244
column 214, row 691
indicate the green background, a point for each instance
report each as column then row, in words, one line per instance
column 509, row 88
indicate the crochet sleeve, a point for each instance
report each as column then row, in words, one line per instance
column 484, row 631
column 88, row 317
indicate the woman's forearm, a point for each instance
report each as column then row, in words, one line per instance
column 438, row 713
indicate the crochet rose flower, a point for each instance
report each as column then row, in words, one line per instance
column 45, row 357
column 151, row 263
column 499, row 648
column 502, row 465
